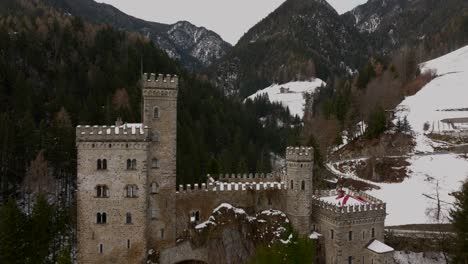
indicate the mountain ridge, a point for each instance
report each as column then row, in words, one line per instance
column 175, row 39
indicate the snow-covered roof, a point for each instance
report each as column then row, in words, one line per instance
column 379, row 247
column 343, row 199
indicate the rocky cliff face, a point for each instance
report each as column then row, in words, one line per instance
column 199, row 42
column 196, row 47
column 391, row 24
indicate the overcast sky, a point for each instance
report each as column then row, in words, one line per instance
column 229, row 18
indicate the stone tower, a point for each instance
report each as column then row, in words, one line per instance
column 299, row 165
column 111, row 195
column 159, row 113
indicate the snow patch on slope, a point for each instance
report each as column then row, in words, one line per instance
column 290, row 94
column 408, row 202
column 447, row 91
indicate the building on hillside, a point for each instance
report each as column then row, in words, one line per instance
column 129, row 205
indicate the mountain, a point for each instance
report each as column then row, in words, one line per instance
column 299, row 40
column 195, row 47
column 435, row 26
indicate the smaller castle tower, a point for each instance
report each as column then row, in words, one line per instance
column 299, row 165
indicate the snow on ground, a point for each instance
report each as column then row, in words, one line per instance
column 403, row 257
column 292, row 95
column 447, row 91
column 343, row 200
column 406, row 201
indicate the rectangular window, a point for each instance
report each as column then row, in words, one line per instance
column 101, row 248
column 332, row 234
column 162, row 233
column 128, row 243
column 350, row 260
column 350, row 235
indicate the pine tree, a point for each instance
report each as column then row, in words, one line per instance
column 41, row 232
column 12, row 233
column 459, row 216
column 214, row 168
column 64, row 256
column 377, row 123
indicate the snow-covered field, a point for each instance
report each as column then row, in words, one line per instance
column 448, row 91
column 293, row 95
column 407, row 202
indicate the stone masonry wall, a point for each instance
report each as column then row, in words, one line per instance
column 359, row 220
column 160, row 92
column 252, row 200
column 115, row 234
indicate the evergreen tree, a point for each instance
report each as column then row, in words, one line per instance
column 64, row 256
column 459, row 216
column 377, row 123
column 40, row 233
column 12, row 234
column 214, row 168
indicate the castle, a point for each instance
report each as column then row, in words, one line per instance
column 129, row 206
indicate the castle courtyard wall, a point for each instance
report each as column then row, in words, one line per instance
column 205, row 201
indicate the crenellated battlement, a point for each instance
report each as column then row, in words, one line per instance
column 152, row 80
column 334, row 192
column 349, row 208
column 300, row 154
column 134, row 132
column 231, row 187
column 249, row 177
column 373, row 204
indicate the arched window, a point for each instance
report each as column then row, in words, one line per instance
column 131, row 191
column 101, row 248
column 156, row 112
column 128, row 218
column 303, row 185
column 292, row 185
column 99, row 164
column 129, row 164
column 373, row 232
column 154, row 163
column 154, row 187
column 197, row 216
column 102, row 191
column 104, row 164
column 134, row 164
column 101, row 218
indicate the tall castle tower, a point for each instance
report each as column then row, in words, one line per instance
column 299, row 165
column 159, row 114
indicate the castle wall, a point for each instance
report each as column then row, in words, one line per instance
column 250, row 177
column 121, row 242
column 251, row 197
